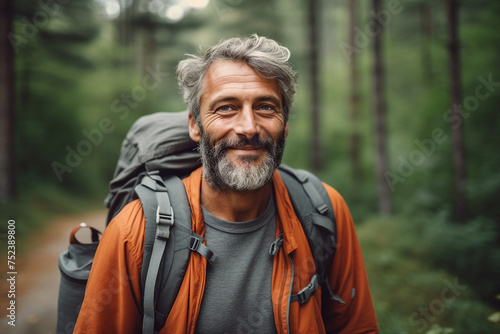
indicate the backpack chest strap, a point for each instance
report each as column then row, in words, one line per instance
column 303, row 295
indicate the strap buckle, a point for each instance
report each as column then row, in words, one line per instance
column 194, row 244
column 164, row 220
column 276, row 245
column 303, row 295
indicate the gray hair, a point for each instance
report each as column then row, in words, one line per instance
column 264, row 55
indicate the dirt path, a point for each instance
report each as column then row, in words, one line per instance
column 37, row 279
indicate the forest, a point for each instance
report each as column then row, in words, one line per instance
column 396, row 108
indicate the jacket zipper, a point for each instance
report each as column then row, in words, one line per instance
column 289, row 295
column 282, row 291
column 199, row 300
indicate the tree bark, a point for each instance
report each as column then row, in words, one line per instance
column 313, row 69
column 355, row 141
column 7, row 177
column 460, row 201
column 384, row 197
column 426, row 32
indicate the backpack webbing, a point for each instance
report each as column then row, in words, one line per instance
column 165, row 263
column 318, row 222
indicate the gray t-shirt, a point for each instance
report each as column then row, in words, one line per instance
column 237, row 297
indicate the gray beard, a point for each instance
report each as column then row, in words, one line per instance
column 222, row 175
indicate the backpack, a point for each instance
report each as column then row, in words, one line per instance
column 155, row 155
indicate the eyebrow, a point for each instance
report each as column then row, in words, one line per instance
column 223, row 99
column 271, row 98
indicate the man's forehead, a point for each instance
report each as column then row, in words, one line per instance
column 227, row 72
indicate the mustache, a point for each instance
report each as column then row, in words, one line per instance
column 256, row 141
column 214, row 152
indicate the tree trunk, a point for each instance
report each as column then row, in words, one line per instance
column 426, row 32
column 384, row 198
column 146, row 33
column 460, row 201
column 313, row 69
column 124, row 23
column 7, row 179
column 355, row 141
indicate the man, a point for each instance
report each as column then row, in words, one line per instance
column 238, row 95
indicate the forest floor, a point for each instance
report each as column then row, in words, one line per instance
column 38, row 277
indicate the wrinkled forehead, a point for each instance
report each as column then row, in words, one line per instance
column 228, row 71
column 227, row 76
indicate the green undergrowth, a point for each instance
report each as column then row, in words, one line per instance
column 421, row 283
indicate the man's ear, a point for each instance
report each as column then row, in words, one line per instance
column 286, row 129
column 194, row 129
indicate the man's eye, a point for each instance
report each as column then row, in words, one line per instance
column 225, row 109
column 267, row 107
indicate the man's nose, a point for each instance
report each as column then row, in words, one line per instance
column 246, row 123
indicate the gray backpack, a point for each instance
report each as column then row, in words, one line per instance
column 155, row 155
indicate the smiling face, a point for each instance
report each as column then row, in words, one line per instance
column 242, row 127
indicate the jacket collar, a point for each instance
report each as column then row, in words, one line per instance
column 193, row 189
column 286, row 220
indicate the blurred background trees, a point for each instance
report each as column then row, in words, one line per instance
column 7, row 178
column 397, row 104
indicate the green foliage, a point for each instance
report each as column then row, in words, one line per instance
column 436, row 329
column 471, row 250
column 495, row 317
column 412, row 289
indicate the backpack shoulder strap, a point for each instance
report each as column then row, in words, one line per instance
column 159, row 218
column 312, row 206
column 306, row 183
column 169, row 241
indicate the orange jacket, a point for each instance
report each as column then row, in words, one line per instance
column 112, row 301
